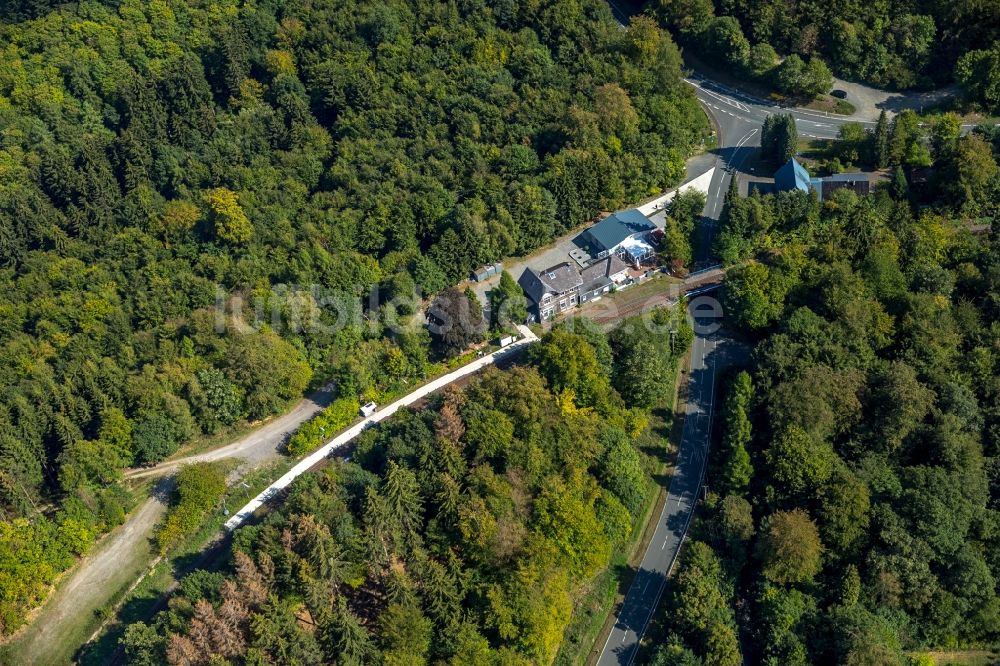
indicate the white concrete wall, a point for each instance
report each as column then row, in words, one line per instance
column 527, row 337
column 699, row 183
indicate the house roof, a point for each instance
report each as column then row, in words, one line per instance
column 605, row 268
column 558, row 279
column 612, row 230
column 852, row 177
column 791, row 176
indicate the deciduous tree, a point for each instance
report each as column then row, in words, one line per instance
column 789, row 547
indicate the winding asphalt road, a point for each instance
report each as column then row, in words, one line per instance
column 739, row 119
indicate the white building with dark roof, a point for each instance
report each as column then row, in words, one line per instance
column 552, row 290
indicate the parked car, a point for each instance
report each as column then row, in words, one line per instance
column 839, row 94
column 368, row 409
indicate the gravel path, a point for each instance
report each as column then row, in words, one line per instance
column 119, row 557
column 115, row 563
column 256, row 447
column 870, row 102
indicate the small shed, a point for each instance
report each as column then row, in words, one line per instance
column 486, row 272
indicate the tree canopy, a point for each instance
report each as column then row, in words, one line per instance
column 896, row 44
column 853, row 486
column 208, row 207
column 460, row 533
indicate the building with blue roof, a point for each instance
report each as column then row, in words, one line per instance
column 791, row 176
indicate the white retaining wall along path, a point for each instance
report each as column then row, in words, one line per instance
column 241, row 516
column 700, row 183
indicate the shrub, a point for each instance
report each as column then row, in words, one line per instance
column 199, row 487
column 321, row 427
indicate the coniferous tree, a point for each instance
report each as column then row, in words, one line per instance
column 900, row 186
column 769, row 136
column 880, row 141
column 786, row 144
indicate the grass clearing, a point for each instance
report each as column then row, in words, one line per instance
column 830, row 104
column 655, row 284
column 962, row 657
column 815, row 149
column 654, row 290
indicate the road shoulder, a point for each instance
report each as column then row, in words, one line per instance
column 640, row 547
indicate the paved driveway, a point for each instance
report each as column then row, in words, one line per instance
column 870, row 102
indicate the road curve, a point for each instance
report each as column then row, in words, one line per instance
column 263, row 443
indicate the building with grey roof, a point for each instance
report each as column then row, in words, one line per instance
column 601, row 276
column 859, row 183
column 552, row 290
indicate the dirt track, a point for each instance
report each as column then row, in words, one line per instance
column 120, row 556
column 111, row 566
column 260, row 445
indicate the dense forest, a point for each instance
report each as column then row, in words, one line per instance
column 896, row 44
column 461, row 533
column 854, row 512
column 187, row 186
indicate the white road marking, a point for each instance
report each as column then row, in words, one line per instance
column 749, row 135
column 725, row 100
